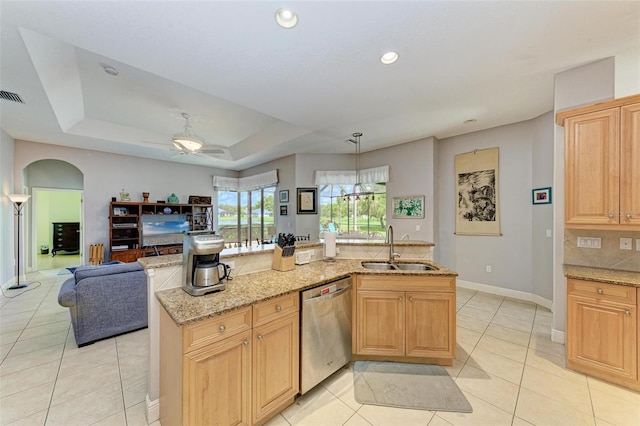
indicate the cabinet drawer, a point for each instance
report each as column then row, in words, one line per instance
column 215, row 329
column 275, row 308
column 602, row 291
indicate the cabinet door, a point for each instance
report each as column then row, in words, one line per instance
column 275, row 365
column 430, row 323
column 592, row 168
column 630, row 165
column 601, row 337
column 380, row 323
column 217, row 383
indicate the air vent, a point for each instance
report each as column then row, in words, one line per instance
column 10, row 96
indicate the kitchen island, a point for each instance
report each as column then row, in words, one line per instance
column 226, row 337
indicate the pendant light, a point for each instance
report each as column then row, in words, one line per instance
column 359, row 192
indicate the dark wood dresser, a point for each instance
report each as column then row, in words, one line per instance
column 66, row 237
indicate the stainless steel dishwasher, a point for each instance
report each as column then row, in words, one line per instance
column 325, row 337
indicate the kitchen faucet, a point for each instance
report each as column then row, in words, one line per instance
column 389, row 240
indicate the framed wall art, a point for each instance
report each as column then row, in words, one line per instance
column 408, row 207
column 284, row 196
column 477, row 201
column 541, row 196
column 307, row 201
column 284, row 211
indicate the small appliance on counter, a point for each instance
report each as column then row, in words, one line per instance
column 283, row 252
column 202, row 271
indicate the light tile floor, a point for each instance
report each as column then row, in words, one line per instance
column 506, row 365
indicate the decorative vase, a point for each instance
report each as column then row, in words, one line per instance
column 145, row 196
column 173, row 199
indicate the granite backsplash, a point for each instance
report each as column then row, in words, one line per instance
column 609, row 256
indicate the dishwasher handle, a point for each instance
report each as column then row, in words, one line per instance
column 328, row 296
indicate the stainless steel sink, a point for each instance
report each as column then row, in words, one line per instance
column 379, row 266
column 414, row 267
column 384, row 266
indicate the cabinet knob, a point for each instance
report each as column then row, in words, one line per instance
column 400, row 299
column 245, row 343
column 278, row 308
column 222, row 328
column 600, row 291
column 410, row 299
column 259, row 336
column 628, row 215
column 610, row 215
column 627, row 313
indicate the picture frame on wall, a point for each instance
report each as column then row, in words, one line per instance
column 408, row 207
column 284, row 210
column 541, row 195
column 307, row 201
column 284, row 196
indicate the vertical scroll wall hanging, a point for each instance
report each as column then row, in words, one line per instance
column 477, row 208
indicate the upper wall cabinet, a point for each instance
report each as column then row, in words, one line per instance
column 602, row 165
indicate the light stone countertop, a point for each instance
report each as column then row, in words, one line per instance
column 610, row 276
column 249, row 289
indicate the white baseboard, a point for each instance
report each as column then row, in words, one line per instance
column 514, row 294
column 153, row 410
column 557, row 336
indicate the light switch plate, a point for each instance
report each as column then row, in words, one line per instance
column 638, row 244
column 590, row 242
column 626, row 243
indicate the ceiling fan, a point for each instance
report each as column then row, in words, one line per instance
column 188, row 142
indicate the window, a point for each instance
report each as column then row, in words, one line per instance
column 351, row 218
column 246, row 218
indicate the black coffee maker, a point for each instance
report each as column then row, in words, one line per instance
column 202, row 271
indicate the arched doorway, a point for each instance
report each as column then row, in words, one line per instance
column 56, row 188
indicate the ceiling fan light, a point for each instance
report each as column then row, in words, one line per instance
column 187, row 142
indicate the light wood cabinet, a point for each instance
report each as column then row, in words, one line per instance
column 602, row 165
column 401, row 317
column 602, row 331
column 276, row 356
column 205, row 370
column 238, row 368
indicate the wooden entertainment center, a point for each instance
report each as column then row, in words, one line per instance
column 126, row 222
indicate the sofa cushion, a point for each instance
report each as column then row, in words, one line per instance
column 89, row 271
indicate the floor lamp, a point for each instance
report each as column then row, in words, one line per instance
column 18, row 200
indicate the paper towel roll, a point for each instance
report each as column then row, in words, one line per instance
column 329, row 244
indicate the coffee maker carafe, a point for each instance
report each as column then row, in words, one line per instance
column 202, row 271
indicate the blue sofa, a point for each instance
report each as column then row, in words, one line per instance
column 105, row 300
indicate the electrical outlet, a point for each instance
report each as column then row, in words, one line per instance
column 548, row 233
column 231, row 264
column 488, row 268
column 626, row 243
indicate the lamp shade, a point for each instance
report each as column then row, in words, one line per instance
column 18, row 198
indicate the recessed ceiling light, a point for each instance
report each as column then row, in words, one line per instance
column 389, row 57
column 470, row 121
column 109, row 69
column 286, row 18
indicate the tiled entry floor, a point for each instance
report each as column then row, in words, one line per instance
column 507, row 366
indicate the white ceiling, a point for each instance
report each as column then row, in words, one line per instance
column 266, row 92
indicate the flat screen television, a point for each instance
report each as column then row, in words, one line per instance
column 163, row 230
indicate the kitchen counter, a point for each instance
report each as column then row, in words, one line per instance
column 245, row 290
column 610, row 276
